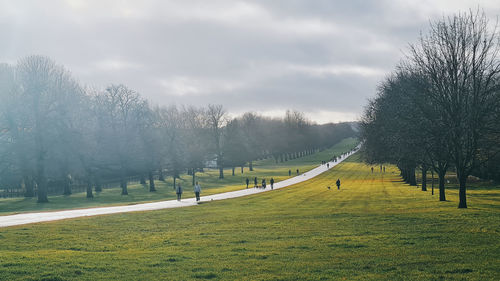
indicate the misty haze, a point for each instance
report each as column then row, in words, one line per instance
column 249, row 140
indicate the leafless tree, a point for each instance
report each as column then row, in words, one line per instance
column 460, row 58
column 217, row 119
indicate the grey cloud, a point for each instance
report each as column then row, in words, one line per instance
column 247, row 55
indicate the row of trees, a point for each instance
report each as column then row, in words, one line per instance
column 439, row 110
column 53, row 131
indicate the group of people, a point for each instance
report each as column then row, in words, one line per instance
column 263, row 183
column 197, row 191
column 197, row 187
column 382, row 168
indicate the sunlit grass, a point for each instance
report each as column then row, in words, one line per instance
column 373, row 228
column 209, row 181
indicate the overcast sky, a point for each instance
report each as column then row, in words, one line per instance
column 324, row 58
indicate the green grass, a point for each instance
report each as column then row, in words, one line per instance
column 373, row 228
column 209, row 181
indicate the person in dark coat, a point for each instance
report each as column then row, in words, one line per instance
column 255, row 182
column 197, row 191
column 178, row 191
column 289, row 173
column 272, row 183
column 338, row 183
column 247, row 181
column 297, row 171
column 264, row 183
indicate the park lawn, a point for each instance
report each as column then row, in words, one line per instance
column 209, row 181
column 373, row 228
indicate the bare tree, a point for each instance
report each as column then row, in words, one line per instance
column 120, row 110
column 171, row 125
column 217, row 120
column 460, row 59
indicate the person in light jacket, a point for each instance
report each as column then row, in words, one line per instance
column 197, row 190
column 178, row 191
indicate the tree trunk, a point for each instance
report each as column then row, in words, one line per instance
column 432, row 184
column 424, row 178
column 123, row 185
column 194, row 175
column 462, row 191
column 67, row 186
column 151, row 182
column 250, row 166
column 175, row 177
column 41, row 182
column 412, row 178
column 97, row 183
column 28, row 185
column 160, row 175
column 242, row 169
column 221, row 172
column 89, row 189
column 233, row 170
column 442, row 196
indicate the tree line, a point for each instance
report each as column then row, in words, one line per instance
column 54, row 131
column 440, row 108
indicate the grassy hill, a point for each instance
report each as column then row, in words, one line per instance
column 373, row 228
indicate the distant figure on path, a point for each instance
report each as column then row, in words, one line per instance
column 247, row 181
column 264, row 183
column 289, row 173
column 197, row 190
column 178, row 191
column 328, row 165
column 384, row 169
column 297, row 171
column 255, row 182
column 372, row 170
column 338, row 183
column 272, row 183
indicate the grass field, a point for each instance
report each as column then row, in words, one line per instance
column 209, row 181
column 373, row 228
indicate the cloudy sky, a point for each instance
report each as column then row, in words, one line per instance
column 324, row 58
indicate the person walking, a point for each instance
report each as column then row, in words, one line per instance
column 272, row 183
column 178, row 191
column 247, row 181
column 197, row 190
column 372, row 170
column 297, row 171
column 338, row 183
column 289, row 173
column 328, row 165
column 264, row 183
column 255, row 182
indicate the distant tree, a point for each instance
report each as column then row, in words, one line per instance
column 217, row 120
column 45, row 89
column 196, row 138
column 120, row 113
column 172, row 129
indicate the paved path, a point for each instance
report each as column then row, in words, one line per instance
column 26, row 218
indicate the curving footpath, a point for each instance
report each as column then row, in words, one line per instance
column 27, row 218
